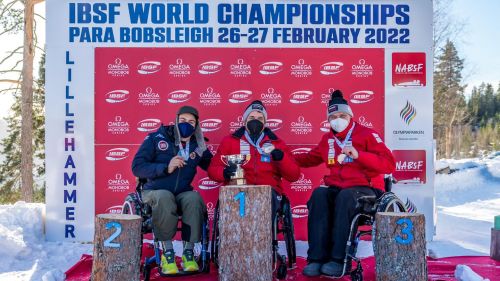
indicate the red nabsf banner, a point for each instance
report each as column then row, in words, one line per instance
column 410, row 166
column 408, row 70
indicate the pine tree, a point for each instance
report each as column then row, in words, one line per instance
column 10, row 169
column 449, row 102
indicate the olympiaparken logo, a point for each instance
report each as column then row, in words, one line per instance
column 117, row 96
column 118, row 126
column 210, row 125
column 148, row 97
column 363, row 96
column 117, row 154
column 240, row 96
column 301, row 126
column 149, row 67
column 148, row 125
column 118, row 69
column 271, row 67
column 179, row 96
column 209, row 67
column 362, row 69
column 331, row 68
column 240, row 69
column 408, row 113
column 179, row 69
column 301, row 69
column 301, row 96
column 210, row 97
column 118, row 184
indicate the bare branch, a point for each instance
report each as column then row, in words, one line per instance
column 8, row 7
column 10, row 81
column 40, row 16
column 8, row 30
column 15, row 51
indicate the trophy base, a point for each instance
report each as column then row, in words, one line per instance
column 238, row 182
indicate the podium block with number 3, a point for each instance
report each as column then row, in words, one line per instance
column 245, row 226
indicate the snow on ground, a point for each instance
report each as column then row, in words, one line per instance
column 467, row 200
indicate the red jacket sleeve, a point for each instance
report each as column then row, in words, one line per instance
column 216, row 168
column 377, row 157
column 312, row 158
column 287, row 167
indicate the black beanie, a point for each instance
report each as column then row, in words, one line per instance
column 337, row 103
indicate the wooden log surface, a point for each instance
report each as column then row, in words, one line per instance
column 245, row 251
column 117, row 247
column 400, row 249
column 495, row 244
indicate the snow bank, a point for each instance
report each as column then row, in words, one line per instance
column 465, row 273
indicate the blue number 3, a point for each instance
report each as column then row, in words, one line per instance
column 405, row 230
column 107, row 242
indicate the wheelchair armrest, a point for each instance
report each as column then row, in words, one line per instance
column 366, row 203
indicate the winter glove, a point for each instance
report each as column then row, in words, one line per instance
column 277, row 154
column 229, row 171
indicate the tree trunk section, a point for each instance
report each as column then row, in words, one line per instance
column 117, row 247
column 27, row 104
column 245, row 251
column 400, row 249
column 495, row 244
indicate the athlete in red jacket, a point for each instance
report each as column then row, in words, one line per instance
column 270, row 158
column 357, row 159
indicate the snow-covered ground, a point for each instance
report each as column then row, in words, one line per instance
column 467, row 200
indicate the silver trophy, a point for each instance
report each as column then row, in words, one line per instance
column 238, row 160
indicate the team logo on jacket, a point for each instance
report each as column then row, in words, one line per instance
column 117, row 209
column 148, row 125
column 271, row 67
column 179, row 96
column 274, row 124
column 118, row 126
column 303, row 184
column 240, row 96
column 332, row 67
column 209, row 67
column 301, row 69
column 210, row 125
column 325, row 126
column 362, row 69
column 241, row 69
column 208, row 184
column 163, row 145
column 301, row 150
column 299, row 211
column 118, row 69
column 118, row 184
column 210, row 97
column 362, row 96
column 301, row 96
column 149, row 67
column 301, row 126
column 117, row 154
column 362, row 120
column 117, row 96
column 179, row 69
column 148, row 97
column 271, row 97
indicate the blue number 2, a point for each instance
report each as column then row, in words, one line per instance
column 241, row 196
column 107, row 242
column 406, row 230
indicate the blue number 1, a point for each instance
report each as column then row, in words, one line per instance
column 406, row 230
column 241, row 196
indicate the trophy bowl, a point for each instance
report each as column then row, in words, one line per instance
column 238, row 160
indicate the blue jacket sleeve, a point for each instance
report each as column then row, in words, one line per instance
column 143, row 165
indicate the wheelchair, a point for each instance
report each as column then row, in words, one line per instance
column 282, row 224
column 368, row 206
column 134, row 205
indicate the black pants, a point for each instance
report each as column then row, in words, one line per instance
column 331, row 211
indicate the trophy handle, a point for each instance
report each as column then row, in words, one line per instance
column 222, row 158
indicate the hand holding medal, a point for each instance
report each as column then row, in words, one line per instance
column 348, row 151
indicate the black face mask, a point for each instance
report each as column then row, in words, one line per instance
column 254, row 127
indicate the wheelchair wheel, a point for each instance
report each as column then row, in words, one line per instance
column 282, row 271
column 288, row 234
column 389, row 202
column 214, row 247
column 131, row 205
column 201, row 249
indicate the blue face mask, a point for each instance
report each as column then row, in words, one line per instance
column 185, row 129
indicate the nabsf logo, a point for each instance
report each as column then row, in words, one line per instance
column 149, row 67
column 117, row 96
column 210, row 67
column 274, row 124
column 331, row 68
column 299, row 211
column 240, row 96
column 148, row 125
column 302, row 96
column 179, row 96
column 301, row 150
column 116, row 154
column 210, row 125
column 117, row 209
column 325, row 126
column 271, row 67
column 207, row 184
column 362, row 96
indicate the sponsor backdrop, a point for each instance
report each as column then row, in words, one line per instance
column 117, row 71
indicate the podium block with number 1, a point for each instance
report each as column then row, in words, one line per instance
column 245, row 226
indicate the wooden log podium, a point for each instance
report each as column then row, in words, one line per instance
column 117, row 247
column 400, row 250
column 245, row 237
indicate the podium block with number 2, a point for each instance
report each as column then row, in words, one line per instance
column 245, row 226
